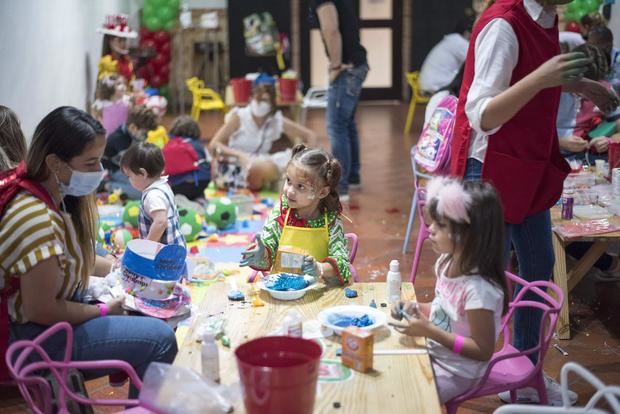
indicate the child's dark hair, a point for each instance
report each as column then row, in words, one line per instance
column 143, row 155
column 185, row 126
column 326, row 168
column 106, row 87
column 12, row 140
column 598, row 68
column 142, row 117
column 482, row 239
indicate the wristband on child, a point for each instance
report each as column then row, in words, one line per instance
column 103, row 309
column 458, row 344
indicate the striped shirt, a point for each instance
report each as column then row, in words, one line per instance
column 31, row 232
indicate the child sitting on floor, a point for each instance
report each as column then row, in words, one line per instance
column 307, row 219
column 143, row 164
column 463, row 321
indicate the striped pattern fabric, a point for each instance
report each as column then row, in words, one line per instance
column 172, row 235
column 29, row 233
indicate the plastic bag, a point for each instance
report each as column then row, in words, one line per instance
column 169, row 389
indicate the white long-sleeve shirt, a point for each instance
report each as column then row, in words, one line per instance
column 497, row 54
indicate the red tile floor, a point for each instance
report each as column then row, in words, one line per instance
column 379, row 213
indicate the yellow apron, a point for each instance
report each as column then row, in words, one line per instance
column 303, row 240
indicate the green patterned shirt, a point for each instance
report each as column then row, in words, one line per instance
column 338, row 252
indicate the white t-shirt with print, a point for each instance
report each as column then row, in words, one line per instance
column 156, row 200
column 453, row 297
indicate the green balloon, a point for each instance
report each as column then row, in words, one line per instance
column 591, row 5
column 174, row 4
column 164, row 91
column 152, row 23
column 169, row 25
column 166, row 14
column 156, row 3
column 147, row 11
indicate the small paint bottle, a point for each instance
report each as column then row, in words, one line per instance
column 293, row 324
column 210, row 358
column 567, row 206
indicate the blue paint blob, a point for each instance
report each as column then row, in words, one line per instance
column 235, row 295
column 286, row 281
column 343, row 321
column 350, row 293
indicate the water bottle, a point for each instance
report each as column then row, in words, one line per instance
column 210, row 357
column 394, row 282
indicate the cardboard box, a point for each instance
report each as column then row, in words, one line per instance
column 289, row 259
column 357, row 348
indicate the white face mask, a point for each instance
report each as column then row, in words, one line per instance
column 82, row 183
column 260, row 108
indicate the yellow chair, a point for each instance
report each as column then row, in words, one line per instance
column 203, row 99
column 416, row 98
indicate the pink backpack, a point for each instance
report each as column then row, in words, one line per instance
column 433, row 148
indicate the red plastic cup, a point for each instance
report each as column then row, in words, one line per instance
column 242, row 90
column 288, row 89
column 278, row 374
column 613, row 153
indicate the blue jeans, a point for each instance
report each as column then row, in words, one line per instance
column 533, row 245
column 139, row 340
column 342, row 98
column 120, row 180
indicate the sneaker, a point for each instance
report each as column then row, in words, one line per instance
column 530, row 396
column 344, row 198
column 355, row 186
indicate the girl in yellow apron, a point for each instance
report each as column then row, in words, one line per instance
column 304, row 232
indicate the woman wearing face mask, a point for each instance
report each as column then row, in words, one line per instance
column 48, row 219
column 247, row 136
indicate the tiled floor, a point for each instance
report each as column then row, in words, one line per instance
column 379, row 213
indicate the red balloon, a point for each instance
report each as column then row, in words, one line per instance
column 156, row 81
column 573, row 27
column 145, row 34
column 165, row 48
column 164, row 71
column 160, row 59
column 143, row 73
column 161, row 37
column 148, row 44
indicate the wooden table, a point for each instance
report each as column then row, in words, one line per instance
column 398, row 384
column 568, row 280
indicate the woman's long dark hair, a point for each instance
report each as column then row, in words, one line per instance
column 482, row 239
column 66, row 132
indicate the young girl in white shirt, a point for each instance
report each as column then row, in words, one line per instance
column 463, row 322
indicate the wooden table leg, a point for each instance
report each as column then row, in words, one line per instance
column 584, row 264
column 560, row 278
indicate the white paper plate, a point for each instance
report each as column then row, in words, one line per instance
column 591, row 212
column 288, row 294
column 379, row 317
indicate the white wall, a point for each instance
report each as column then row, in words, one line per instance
column 46, row 51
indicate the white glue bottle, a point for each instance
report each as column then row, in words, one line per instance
column 394, row 282
column 292, row 324
column 209, row 356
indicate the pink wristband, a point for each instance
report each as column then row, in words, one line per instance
column 103, row 309
column 458, row 344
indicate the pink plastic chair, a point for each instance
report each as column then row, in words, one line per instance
column 37, row 391
column 510, row 369
column 610, row 393
column 351, row 240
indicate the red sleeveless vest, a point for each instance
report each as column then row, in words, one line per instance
column 523, row 160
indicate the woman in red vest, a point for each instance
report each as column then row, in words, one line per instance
column 505, row 133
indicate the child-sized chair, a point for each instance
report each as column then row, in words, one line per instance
column 37, row 391
column 416, row 98
column 510, row 369
column 352, row 246
column 203, row 99
column 611, row 393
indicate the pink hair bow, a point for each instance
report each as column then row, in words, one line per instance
column 452, row 199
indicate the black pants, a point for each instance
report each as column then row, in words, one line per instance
column 191, row 189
